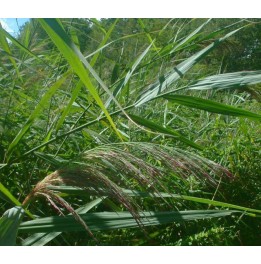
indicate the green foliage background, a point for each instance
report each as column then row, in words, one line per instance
column 69, row 86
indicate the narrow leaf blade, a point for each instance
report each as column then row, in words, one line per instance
column 110, row 220
column 8, row 196
column 228, row 80
column 167, row 131
column 211, row 106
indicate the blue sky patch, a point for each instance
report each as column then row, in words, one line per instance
column 12, row 25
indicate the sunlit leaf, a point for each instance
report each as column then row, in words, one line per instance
column 211, row 106
column 228, row 81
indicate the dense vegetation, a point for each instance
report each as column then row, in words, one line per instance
column 131, row 132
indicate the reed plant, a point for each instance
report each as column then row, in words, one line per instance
column 94, row 140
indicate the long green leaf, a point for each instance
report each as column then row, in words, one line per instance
column 166, row 131
column 75, row 59
column 41, row 239
column 228, row 80
column 111, row 220
column 7, row 196
column 9, row 224
column 51, row 159
column 79, row 191
column 211, row 106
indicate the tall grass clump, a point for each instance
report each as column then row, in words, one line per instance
column 128, row 130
